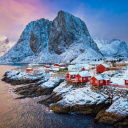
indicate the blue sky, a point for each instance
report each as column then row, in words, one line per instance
column 104, row 18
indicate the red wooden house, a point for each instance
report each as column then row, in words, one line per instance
column 59, row 65
column 72, row 75
column 100, row 80
column 126, row 81
column 29, row 69
column 56, row 64
column 101, row 68
column 83, row 69
column 83, row 76
column 67, row 75
column 62, row 65
column 96, row 80
column 106, row 79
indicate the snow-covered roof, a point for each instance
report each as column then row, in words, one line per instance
column 28, row 68
column 73, row 73
column 84, row 74
column 62, row 64
column 102, row 77
column 98, row 77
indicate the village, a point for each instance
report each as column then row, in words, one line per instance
column 97, row 73
column 95, row 87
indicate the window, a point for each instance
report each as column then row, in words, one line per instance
column 91, row 81
column 126, row 81
column 84, row 78
column 101, row 81
column 88, row 78
column 95, row 81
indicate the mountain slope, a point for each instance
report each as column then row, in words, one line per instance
column 44, row 41
column 113, row 48
column 30, row 42
column 5, row 45
column 67, row 29
column 40, row 35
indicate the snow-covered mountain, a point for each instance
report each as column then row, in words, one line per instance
column 5, row 44
column 65, row 39
column 113, row 48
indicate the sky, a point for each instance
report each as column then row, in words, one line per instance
column 104, row 18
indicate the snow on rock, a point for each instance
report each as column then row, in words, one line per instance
column 19, row 75
column 89, row 54
column 3, row 38
column 72, row 96
column 12, row 73
column 62, row 89
column 52, row 82
column 119, row 107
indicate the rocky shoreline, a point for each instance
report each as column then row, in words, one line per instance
column 57, row 104
column 84, row 100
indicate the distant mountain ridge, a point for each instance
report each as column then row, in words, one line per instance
column 5, row 44
column 66, row 38
column 112, row 48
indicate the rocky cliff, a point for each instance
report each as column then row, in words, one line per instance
column 67, row 29
column 39, row 36
column 65, row 39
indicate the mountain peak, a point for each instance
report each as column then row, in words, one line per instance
column 3, row 37
column 65, row 38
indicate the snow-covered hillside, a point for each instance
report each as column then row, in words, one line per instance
column 113, row 48
column 64, row 39
column 5, row 45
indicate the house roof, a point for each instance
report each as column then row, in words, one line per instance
column 28, row 68
column 73, row 73
column 98, row 77
column 102, row 77
column 84, row 74
column 62, row 64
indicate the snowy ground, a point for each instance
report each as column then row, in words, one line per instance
column 52, row 82
column 119, row 107
column 81, row 96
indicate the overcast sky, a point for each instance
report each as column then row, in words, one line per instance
column 104, row 18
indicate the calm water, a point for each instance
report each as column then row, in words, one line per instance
column 26, row 113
